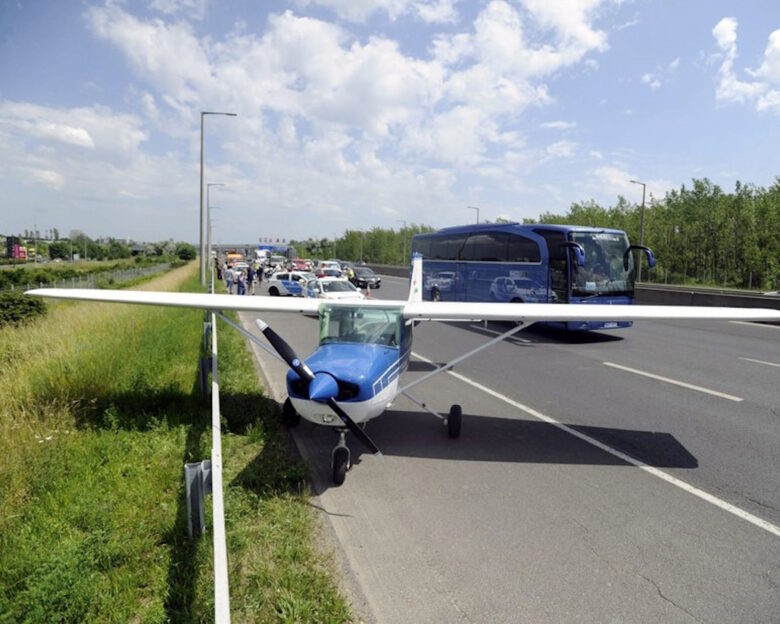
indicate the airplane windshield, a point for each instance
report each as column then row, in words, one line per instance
column 365, row 325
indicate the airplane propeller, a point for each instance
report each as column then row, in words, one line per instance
column 322, row 386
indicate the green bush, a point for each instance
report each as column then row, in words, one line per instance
column 16, row 308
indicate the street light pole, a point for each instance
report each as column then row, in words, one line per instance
column 475, row 208
column 641, row 223
column 202, row 242
column 208, row 216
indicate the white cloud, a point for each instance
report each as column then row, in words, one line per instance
column 558, row 125
column 48, row 177
column 429, row 11
column 195, row 9
column 651, row 80
column 86, row 127
column 661, row 74
column 329, row 123
column 729, row 88
column 561, row 149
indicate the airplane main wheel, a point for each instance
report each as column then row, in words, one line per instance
column 453, row 421
column 340, row 464
column 290, row 418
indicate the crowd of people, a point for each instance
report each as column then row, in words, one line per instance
column 244, row 278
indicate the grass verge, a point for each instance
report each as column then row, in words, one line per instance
column 99, row 410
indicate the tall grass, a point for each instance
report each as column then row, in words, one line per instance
column 99, row 410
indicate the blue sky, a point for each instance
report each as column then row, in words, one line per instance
column 363, row 113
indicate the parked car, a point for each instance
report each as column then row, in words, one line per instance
column 288, row 283
column 366, row 278
column 332, row 288
column 329, row 272
column 328, row 264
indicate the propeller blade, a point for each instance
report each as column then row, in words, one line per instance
column 353, row 427
column 323, row 387
column 286, row 352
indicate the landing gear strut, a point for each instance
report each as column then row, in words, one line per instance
column 452, row 420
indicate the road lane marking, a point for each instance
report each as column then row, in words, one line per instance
column 755, row 324
column 760, row 362
column 682, row 384
column 686, row 487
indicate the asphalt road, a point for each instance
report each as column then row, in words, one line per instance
column 533, row 515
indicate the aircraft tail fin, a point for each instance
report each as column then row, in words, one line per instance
column 415, row 283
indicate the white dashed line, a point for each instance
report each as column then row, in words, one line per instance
column 682, row 384
column 761, row 362
column 687, row 487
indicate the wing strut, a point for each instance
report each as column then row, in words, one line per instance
column 460, row 358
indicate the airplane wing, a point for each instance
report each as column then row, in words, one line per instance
column 531, row 312
column 203, row 301
column 418, row 310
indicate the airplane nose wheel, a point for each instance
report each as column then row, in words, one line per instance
column 340, row 459
column 453, row 421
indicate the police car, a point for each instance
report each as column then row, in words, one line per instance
column 288, row 283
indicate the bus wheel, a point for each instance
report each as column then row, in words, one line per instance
column 453, row 421
column 435, row 295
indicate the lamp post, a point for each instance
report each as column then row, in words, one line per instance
column 362, row 236
column 202, row 242
column 208, row 216
column 641, row 223
column 474, row 208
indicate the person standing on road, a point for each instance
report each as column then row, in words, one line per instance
column 241, row 282
column 250, row 280
column 229, row 275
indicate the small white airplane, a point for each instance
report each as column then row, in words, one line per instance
column 354, row 374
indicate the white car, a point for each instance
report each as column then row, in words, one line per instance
column 332, row 288
column 288, row 283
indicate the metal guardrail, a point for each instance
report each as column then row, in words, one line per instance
column 91, row 279
column 205, row 477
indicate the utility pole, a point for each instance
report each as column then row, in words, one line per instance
column 202, row 240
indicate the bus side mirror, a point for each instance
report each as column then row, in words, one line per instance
column 648, row 252
column 579, row 252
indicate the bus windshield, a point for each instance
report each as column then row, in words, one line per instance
column 367, row 325
column 603, row 273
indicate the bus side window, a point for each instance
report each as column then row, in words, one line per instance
column 485, row 247
column 522, row 249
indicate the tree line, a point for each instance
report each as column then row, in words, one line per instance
column 700, row 234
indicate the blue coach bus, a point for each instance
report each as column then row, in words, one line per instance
column 536, row 263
